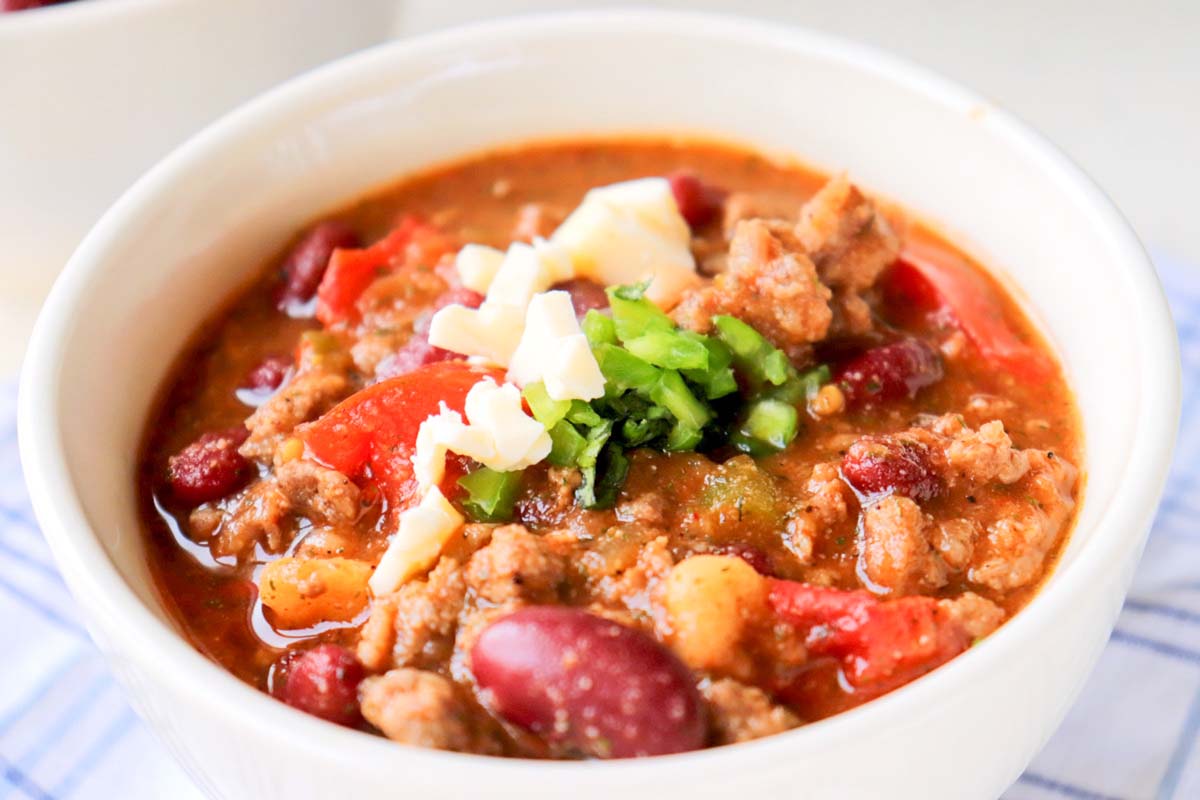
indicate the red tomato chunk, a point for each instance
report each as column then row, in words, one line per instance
column 306, row 264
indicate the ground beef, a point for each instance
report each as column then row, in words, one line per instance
column 516, row 565
column 415, row 626
column 739, row 713
column 821, row 509
column 895, row 554
column 766, row 284
column 260, row 514
column 851, row 243
column 317, row 492
column 977, row 615
column 1014, row 550
column 742, row 206
column 304, row 398
column 419, row 708
column 625, row 570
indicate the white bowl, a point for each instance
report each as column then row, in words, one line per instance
column 200, row 223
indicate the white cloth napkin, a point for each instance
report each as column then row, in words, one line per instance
column 66, row 731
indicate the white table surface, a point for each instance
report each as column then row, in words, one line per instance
column 1116, row 84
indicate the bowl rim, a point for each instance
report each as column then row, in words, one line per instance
column 163, row 652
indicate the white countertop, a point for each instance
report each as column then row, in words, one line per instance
column 1116, row 85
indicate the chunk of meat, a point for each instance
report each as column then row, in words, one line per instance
column 975, row 615
column 895, row 554
column 1015, row 548
column 823, row 509
column 304, row 398
column 851, row 243
column 739, row 713
column 419, row 708
column 262, row 513
column 954, row 541
column 318, row 492
column 626, row 571
column 985, row 454
column 415, row 627
column 742, row 206
column 516, row 565
column 767, row 285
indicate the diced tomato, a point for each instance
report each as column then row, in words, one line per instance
column 926, row 279
column 894, row 640
column 373, row 433
column 412, row 243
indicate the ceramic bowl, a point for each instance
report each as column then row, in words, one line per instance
column 197, row 226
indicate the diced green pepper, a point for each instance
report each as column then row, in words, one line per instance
column 768, row 426
column 599, row 328
column 623, row 370
column 633, row 315
column 669, row 349
column 673, row 393
column 546, row 410
column 490, row 494
column 566, row 445
column 753, row 355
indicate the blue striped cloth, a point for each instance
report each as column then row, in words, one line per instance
column 66, row 731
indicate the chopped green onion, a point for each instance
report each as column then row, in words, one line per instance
column 490, row 494
column 672, row 392
column 546, row 410
column 768, row 425
column 599, row 328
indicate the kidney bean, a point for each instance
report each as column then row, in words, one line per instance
column 268, row 375
column 699, row 202
column 324, row 682
column 208, row 468
column 585, row 295
column 891, row 372
column 587, row 683
column 876, row 466
column 306, row 263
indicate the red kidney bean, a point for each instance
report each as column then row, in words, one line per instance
column 268, row 375
column 306, row 263
column 750, row 554
column 324, row 682
column 891, row 372
column 881, row 465
column 417, row 351
column 585, row 295
column 588, row 683
column 699, row 202
column 208, row 468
